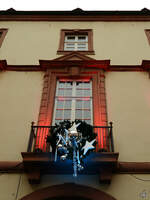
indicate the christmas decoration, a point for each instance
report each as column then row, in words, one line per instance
column 88, row 146
column 72, row 140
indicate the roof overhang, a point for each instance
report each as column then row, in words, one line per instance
column 74, row 15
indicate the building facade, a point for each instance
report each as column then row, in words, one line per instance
column 64, row 65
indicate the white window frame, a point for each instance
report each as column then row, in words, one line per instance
column 76, row 44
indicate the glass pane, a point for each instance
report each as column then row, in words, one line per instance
column 84, row 48
column 82, row 38
column 60, row 104
column 64, row 92
column 61, row 85
column 60, row 92
column 87, row 93
column 87, row 114
column 78, row 104
column 69, row 46
column 68, row 92
column 68, row 85
column 79, row 84
column 67, row 104
column 67, row 114
column 86, row 84
column 78, row 114
column 81, row 44
column 70, row 38
column 79, row 93
column 86, row 105
column 59, row 114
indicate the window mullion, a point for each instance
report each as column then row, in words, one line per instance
column 91, row 102
column 82, row 111
column 73, row 101
column 63, row 114
column 76, row 46
column 76, row 38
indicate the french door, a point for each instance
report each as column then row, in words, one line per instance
column 73, row 100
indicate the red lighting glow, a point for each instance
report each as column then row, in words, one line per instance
column 41, row 134
column 101, row 132
column 98, row 104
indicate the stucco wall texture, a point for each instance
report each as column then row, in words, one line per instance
column 128, row 106
column 123, row 186
column 20, row 96
column 127, row 93
column 124, row 43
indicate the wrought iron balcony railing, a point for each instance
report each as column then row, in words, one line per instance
column 38, row 135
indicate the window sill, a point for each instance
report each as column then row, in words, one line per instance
column 82, row 52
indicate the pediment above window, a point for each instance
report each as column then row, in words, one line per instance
column 74, row 56
column 74, row 59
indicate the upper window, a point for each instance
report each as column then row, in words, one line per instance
column 76, row 40
column 76, row 43
column 3, row 33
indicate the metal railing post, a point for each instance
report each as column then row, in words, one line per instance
column 31, row 138
column 111, row 137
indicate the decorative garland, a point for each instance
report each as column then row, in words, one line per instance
column 72, row 140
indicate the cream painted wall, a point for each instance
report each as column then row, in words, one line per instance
column 120, row 188
column 8, row 186
column 124, row 43
column 128, row 104
column 20, row 95
column 128, row 99
column 123, row 187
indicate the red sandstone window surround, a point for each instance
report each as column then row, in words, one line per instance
column 76, row 40
column 3, row 33
column 99, row 114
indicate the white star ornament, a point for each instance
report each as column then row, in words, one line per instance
column 88, row 146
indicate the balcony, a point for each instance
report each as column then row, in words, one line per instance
column 39, row 158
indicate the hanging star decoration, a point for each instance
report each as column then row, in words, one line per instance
column 88, row 146
column 72, row 140
column 73, row 129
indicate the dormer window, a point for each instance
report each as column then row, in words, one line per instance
column 76, row 40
